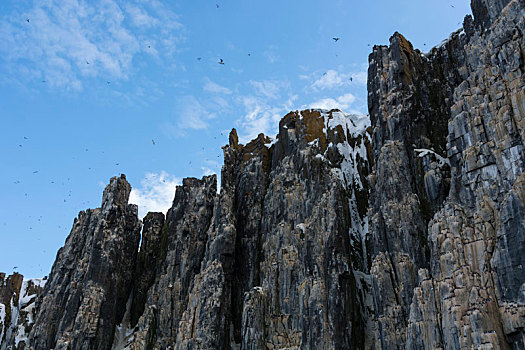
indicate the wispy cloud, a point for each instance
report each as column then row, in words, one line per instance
column 264, row 104
column 271, row 54
column 215, row 88
column 155, row 194
column 343, row 102
column 261, row 116
column 191, row 114
column 66, row 42
column 332, row 79
column 269, row 89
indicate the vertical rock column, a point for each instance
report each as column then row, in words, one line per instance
column 175, row 253
column 91, row 278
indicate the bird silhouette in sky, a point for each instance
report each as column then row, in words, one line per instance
column 25, row 137
column 452, row 6
column 351, row 79
column 87, row 62
column 27, row 19
column 153, row 141
column 15, row 267
column 336, row 39
column 217, row 5
column 36, row 171
column 221, row 61
column 199, row 58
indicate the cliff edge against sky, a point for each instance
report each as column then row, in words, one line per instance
column 401, row 229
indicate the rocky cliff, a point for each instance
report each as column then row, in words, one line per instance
column 17, row 309
column 401, row 229
column 446, row 209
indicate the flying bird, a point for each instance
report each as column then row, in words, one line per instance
column 199, row 58
column 27, row 19
column 15, row 267
column 87, row 62
column 336, row 39
column 217, row 5
column 153, row 141
column 25, row 137
column 351, row 79
column 452, row 6
column 36, row 171
column 108, row 82
column 221, row 61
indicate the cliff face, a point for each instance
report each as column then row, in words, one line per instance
column 447, row 228
column 17, row 309
column 404, row 229
column 269, row 262
column 91, row 279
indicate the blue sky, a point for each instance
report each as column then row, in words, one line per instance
column 92, row 89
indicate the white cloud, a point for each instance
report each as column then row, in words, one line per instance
column 269, row 89
column 68, row 41
column 192, row 115
column 155, row 194
column 332, row 79
column 260, row 117
column 139, row 17
column 342, row 102
column 215, row 88
column 264, row 108
column 271, row 54
column 360, row 78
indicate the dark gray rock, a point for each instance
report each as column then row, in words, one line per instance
column 447, row 203
column 148, row 259
column 179, row 252
column 406, row 234
column 86, row 294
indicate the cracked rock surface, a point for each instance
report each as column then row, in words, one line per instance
column 401, row 229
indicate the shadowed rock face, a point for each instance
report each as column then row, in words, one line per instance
column 404, row 230
column 86, row 293
column 446, row 219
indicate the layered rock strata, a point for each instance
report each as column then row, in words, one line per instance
column 90, row 282
column 17, row 309
column 404, row 230
column 446, row 215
